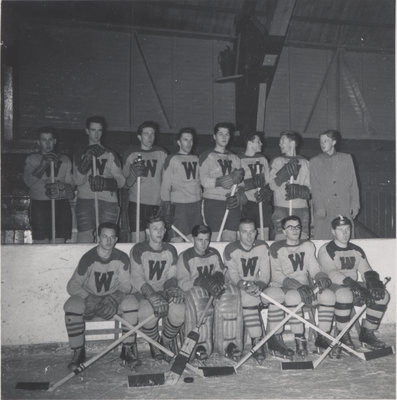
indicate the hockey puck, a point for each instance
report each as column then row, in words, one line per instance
column 188, row 379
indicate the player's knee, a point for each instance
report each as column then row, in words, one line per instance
column 176, row 313
column 145, row 311
column 129, row 304
column 74, row 304
column 275, row 293
column 327, row 297
column 292, row 298
column 344, row 295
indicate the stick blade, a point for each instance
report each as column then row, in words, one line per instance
column 32, row 385
column 371, row 355
column 217, row 371
column 297, row 365
column 146, row 380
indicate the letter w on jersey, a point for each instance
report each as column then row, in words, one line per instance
column 156, row 268
column 249, row 266
column 103, row 280
column 151, row 167
column 205, row 270
column 190, row 169
column 253, row 168
column 347, row 262
column 297, row 260
column 226, row 166
column 100, row 165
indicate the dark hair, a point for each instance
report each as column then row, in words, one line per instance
column 251, row 137
column 247, row 220
column 340, row 221
column 192, row 131
column 333, row 134
column 108, row 225
column 228, row 125
column 290, row 218
column 96, row 119
column 46, row 129
column 148, row 124
column 294, row 136
column 154, row 218
column 197, row 229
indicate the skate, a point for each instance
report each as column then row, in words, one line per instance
column 172, row 346
column 278, row 348
column 260, row 354
column 156, row 354
column 201, row 353
column 301, row 346
column 77, row 359
column 322, row 343
column 369, row 340
column 129, row 356
column 346, row 340
column 233, row 352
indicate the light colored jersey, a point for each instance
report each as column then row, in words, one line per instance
column 249, row 265
column 293, row 261
column 340, row 263
column 190, row 266
column 150, row 183
column 154, row 267
column 181, row 181
column 279, row 192
column 214, row 165
column 62, row 173
column 100, row 277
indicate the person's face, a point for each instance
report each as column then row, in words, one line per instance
column 46, row 142
column 257, row 144
column 156, row 231
column 94, row 132
column 107, row 239
column 185, row 143
column 222, row 137
column 327, row 144
column 292, row 230
column 147, row 138
column 247, row 234
column 342, row 234
column 201, row 243
column 286, row 145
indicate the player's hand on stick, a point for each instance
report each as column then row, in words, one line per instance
column 234, row 178
column 306, row 293
column 107, row 307
column 264, row 194
column 175, row 295
column 238, row 199
column 99, row 183
column 59, row 191
column 361, row 295
column 291, row 168
column 295, row 191
column 375, row 286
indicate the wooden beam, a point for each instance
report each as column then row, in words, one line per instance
column 260, row 115
column 281, row 17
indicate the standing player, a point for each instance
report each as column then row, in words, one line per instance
column 199, row 273
column 294, row 269
column 101, row 286
column 145, row 162
column 219, row 171
column 334, row 186
column 153, row 265
column 296, row 194
column 256, row 173
column 248, row 265
column 180, row 187
column 104, row 182
column 37, row 176
column 342, row 261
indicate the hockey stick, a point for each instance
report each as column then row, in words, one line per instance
column 95, row 200
column 262, row 233
column 234, row 188
column 291, row 181
column 53, row 234
column 138, row 208
column 82, row 366
column 182, row 235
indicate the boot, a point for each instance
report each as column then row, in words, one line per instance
column 201, row 353
column 260, row 354
column 277, row 347
column 301, row 345
column 368, row 339
column 129, row 356
column 322, row 343
column 233, row 352
column 77, row 359
column 156, row 353
column 345, row 339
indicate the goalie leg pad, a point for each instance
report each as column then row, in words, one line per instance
column 195, row 301
column 228, row 324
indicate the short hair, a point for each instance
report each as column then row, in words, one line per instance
column 98, row 119
column 46, row 129
column 148, row 124
column 292, row 135
column 228, row 125
column 340, row 221
column 192, row 131
column 108, row 225
column 333, row 134
column 201, row 228
column 247, row 220
column 251, row 137
column 290, row 218
column 153, row 219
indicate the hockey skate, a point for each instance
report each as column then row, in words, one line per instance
column 369, row 340
column 201, row 353
column 129, row 356
column 233, row 352
column 278, row 348
column 172, row 346
column 301, row 346
column 156, row 354
column 78, row 358
column 260, row 354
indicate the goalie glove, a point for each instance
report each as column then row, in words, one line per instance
column 257, row 181
column 374, row 285
column 361, row 295
column 214, row 284
column 234, row 178
column 291, row 168
column 59, row 191
column 294, row 191
column 99, row 184
column 239, row 199
column 264, row 194
column 157, row 301
column 174, row 294
column 45, row 163
column 108, row 305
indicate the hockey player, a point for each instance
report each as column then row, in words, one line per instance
column 146, row 162
column 153, row 265
column 101, row 286
column 219, row 171
column 295, row 269
column 104, row 182
column 248, row 265
column 181, row 188
column 342, row 261
column 200, row 275
column 289, row 180
column 257, row 190
column 37, row 176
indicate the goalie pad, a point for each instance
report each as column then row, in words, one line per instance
column 228, row 323
column 195, row 302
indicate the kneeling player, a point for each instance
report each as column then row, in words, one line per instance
column 153, row 265
column 199, row 273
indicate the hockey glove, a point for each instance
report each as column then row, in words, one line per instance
column 137, row 169
column 91, row 302
column 306, row 293
column 294, row 191
column 322, row 281
column 213, row 284
column 99, row 184
column 234, row 178
column 253, row 288
column 174, row 294
column 45, row 164
column 95, row 150
column 59, row 191
column 263, row 194
column 291, row 168
column 374, row 285
column 108, row 306
column 239, row 199
column 159, row 304
column 257, row 181
column 361, row 295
